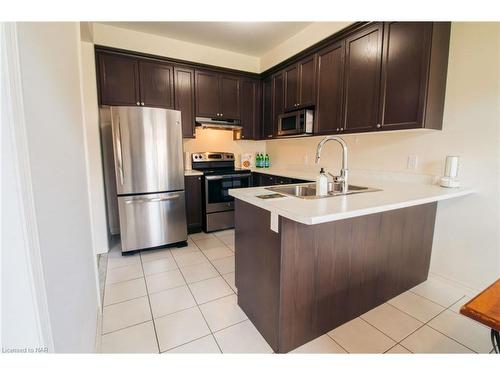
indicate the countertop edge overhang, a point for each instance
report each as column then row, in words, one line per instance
column 394, row 195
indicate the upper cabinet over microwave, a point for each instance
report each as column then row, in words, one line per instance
column 300, row 82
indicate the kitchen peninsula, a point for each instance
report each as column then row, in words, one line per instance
column 306, row 266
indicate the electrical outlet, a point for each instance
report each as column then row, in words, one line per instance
column 412, row 162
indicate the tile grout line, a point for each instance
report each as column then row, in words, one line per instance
column 130, row 326
column 150, row 307
column 198, row 306
column 335, row 341
column 414, row 317
column 451, row 338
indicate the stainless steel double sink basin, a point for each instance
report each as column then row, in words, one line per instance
column 308, row 191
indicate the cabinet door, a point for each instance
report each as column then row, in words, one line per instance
column 118, row 80
column 184, row 99
column 329, row 91
column 307, row 81
column 193, row 203
column 278, row 99
column 267, row 110
column 291, row 78
column 229, row 100
column 207, row 94
column 362, row 79
column 404, row 74
column 250, row 108
column 156, row 84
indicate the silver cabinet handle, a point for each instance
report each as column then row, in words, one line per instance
column 142, row 103
column 138, row 103
column 379, row 126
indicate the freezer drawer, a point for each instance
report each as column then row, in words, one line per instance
column 152, row 220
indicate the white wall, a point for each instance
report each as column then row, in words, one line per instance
column 112, row 36
column 466, row 242
column 22, row 307
column 93, row 150
column 49, row 58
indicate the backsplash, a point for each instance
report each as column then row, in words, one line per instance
column 221, row 140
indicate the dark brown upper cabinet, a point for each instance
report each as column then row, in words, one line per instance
column 409, row 56
column 207, row 94
column 184, row 99
column 125, row 80
column 156, row 84
column 274, row 100
column 118, row 79
column 330, row 77
column 217, row 95
column 250, row 108
column 229, row 97
column 278, row 98
column 299, row 81
column 267, row 108
column 362, row 79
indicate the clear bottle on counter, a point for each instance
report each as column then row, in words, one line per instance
column 322, row 183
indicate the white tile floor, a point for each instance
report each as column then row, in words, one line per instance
column 183, row 300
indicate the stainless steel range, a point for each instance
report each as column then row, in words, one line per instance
column 220, row 175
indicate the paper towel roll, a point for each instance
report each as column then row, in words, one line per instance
column 451, row 166
column 187, row 161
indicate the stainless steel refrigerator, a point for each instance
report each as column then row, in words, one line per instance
column 149, row 171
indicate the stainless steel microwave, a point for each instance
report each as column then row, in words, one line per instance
column 296, row 123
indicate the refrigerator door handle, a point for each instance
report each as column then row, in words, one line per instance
column 120, row 152
column 150, row 200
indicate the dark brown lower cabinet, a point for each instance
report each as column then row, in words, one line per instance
column 193, row 191
column 264, row 179
column 306, row 280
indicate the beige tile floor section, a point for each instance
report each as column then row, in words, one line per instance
column 183, row 300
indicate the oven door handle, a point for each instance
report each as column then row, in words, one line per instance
column 215, row 178
column 242, row 175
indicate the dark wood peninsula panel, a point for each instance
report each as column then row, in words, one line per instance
column 306, row 280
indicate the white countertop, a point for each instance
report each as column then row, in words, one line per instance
column 394, row 195
column 192, row 173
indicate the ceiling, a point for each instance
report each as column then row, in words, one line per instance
column 249, row 38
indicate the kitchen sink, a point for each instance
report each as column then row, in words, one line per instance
column 308, row 191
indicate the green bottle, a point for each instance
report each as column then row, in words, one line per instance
column 258, row 161
column 267, row 162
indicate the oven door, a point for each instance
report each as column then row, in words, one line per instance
column 289, row 124
column 217, row 196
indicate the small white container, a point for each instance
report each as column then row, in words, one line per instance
column 322, row 183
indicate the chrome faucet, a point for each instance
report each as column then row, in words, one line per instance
column 344, row 171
